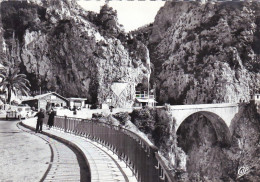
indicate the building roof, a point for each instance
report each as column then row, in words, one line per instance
column 73, row 99
column 145, row 100
column 43, row 95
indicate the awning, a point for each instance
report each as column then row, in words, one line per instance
column 146, row 100
column 77, row 99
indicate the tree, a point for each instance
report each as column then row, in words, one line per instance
column 14, row 82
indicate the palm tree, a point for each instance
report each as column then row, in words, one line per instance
column 13, row 81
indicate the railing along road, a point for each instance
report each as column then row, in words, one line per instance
column 138, row 155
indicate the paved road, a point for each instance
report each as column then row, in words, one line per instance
column 26, row 156
column 105, row 165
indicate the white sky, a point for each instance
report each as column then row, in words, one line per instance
column 131, row 14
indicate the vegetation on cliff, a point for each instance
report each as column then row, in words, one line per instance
column 62, row 48
column 194, row 151
column 206, row 53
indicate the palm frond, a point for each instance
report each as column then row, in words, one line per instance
column 3, row 84
column 21, row 86
column 14, row 91
column 19, row 76
column 20, row 79
column 2, row 76
column 25, row 92
column 13, row 81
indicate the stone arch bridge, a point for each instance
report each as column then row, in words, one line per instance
column 224, row 112
column 220, row 116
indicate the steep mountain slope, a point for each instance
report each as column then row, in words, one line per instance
column 246, row 138
column 205, row 53
column 1, row 40
column 75, row 53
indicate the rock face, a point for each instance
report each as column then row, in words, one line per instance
column 75, row 53
column 207, row 159
column 246, row 136
column 196, row 152
column 2, row 42
column 206, row 52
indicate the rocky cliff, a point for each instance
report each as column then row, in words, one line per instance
column 195, row 152
column 62, row 48
column 206, row 52
column 2, row 43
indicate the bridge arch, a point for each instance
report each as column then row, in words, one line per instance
column 226, row 111
column 223, row 134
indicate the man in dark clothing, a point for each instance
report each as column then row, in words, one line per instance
column 40, row 116
column 51, row 118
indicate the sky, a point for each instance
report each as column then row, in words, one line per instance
column 131, row 14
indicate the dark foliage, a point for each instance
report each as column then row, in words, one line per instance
column 17, row 16
column 97, row 116
column 122, row 117
column 32, row 79
column 155, row 124
column 144, row 119
column 181, row 99
column 256, row 42
column 63, row 26
column 160, row 133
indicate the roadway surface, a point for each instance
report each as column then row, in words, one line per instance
column 27, row 156
column 104, row 165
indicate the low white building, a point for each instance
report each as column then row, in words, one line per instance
column 143, row 99
column 77, row 102
column 45, row 101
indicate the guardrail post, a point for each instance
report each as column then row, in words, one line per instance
column 151, row 163
column 66, row 124
column 92, row 135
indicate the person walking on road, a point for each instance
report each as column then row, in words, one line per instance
column 40, row 116
column 51, row 118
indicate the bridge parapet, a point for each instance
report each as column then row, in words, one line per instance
column 202, row 106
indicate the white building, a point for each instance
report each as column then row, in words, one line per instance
column 77, row 102
column 143, row 99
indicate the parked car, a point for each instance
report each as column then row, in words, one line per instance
column 19, row 112
column 24, row 111
column 11, row 114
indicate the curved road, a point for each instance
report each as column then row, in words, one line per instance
column 27, row 156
